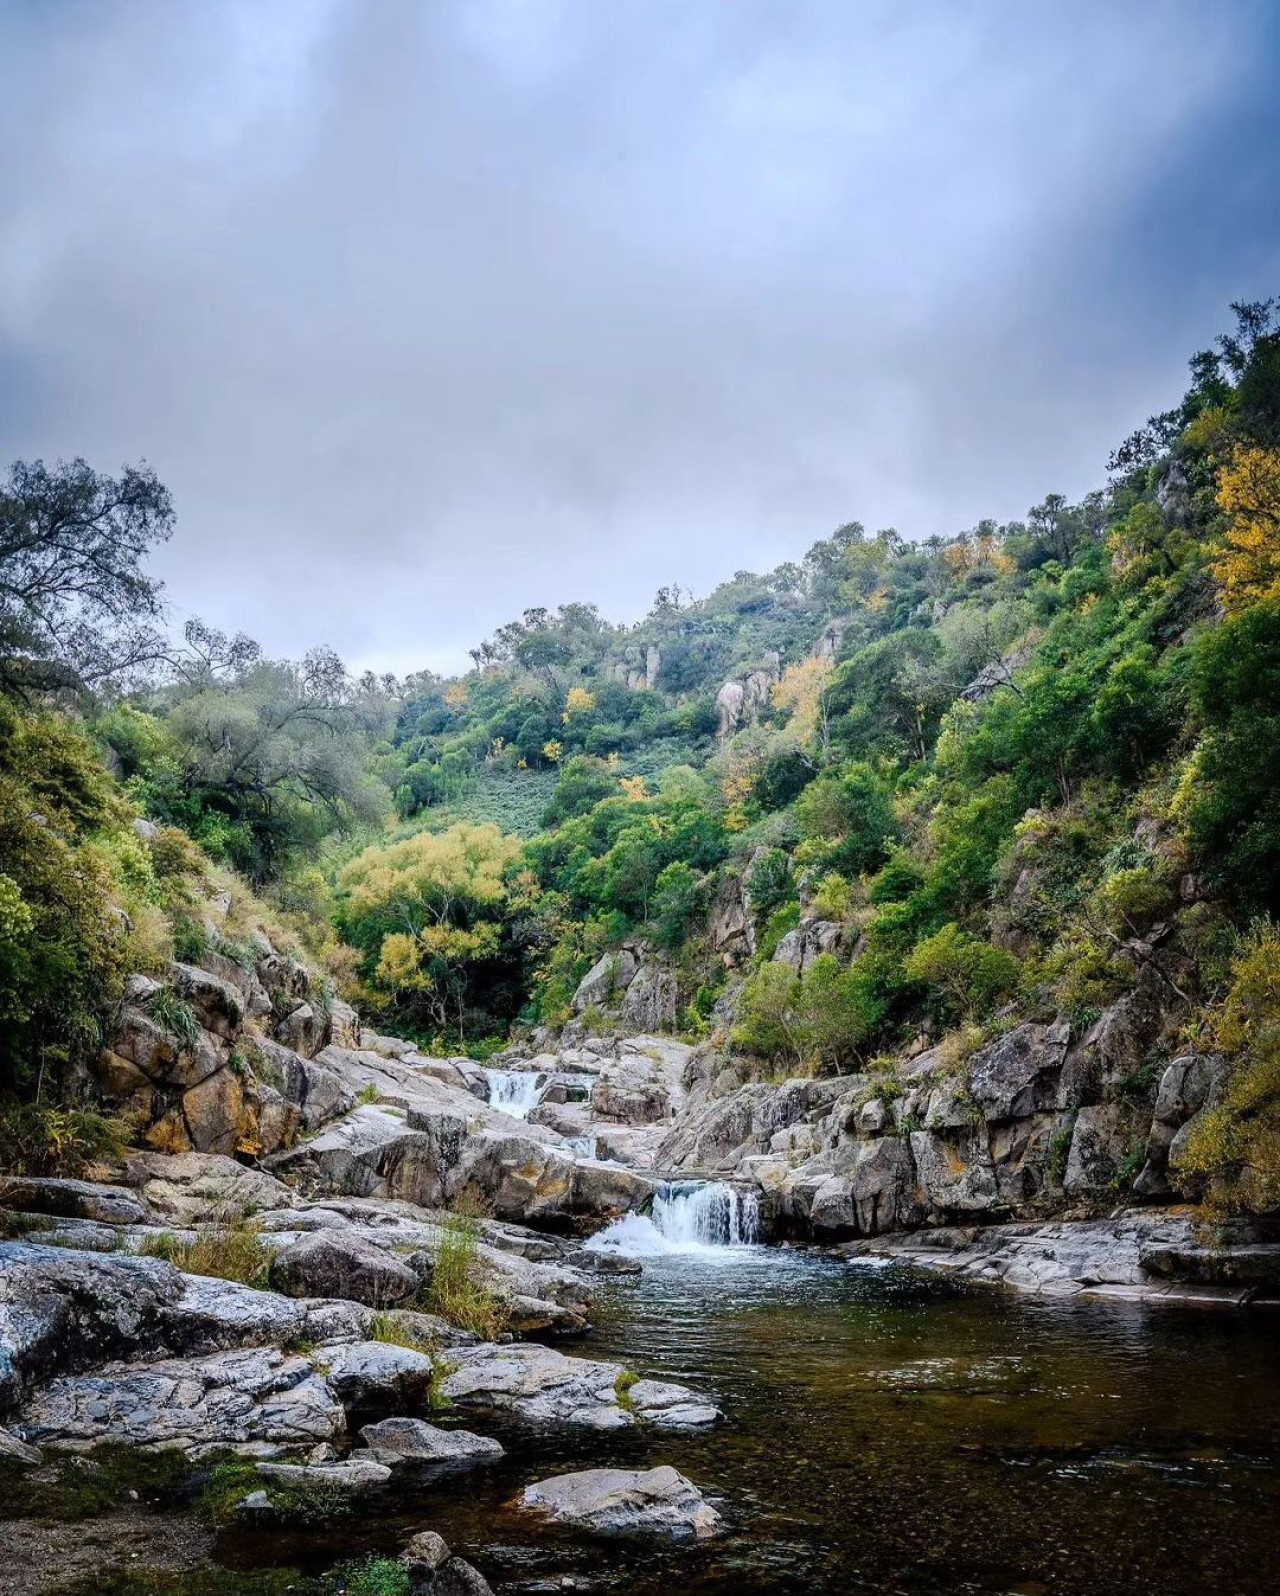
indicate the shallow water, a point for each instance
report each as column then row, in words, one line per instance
column 892, row 1434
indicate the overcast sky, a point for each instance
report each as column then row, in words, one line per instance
column 430, row 311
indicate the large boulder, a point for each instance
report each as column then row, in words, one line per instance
column 378, row 1376
column 1017, row 1074
column 606, row 981
column 339, row 1263
column 196, row 1188
column 625, row 1502
column 72, row 1199
column 261, row 1400
column 1099, row 1143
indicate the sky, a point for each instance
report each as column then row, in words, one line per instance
column 428, row 313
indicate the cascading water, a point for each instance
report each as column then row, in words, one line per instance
column 583, row 1146
column 515, row 1092
column 707, row 1213
column 691, row 1216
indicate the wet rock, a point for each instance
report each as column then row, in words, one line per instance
column 354, row 1476
column 399, row 1441
column 338, row 1263
column 457, row 1577
column 625, row 1502
column 543, row 1386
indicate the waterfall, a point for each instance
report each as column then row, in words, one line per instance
column 583, row 1146
column 515, row 1092
column 688, row 1216
column 706, row 1213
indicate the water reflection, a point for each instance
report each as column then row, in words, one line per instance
column 889, row 1433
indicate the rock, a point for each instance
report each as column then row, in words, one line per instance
column 426, row 1548
column 954, row 1172
column 543, row 1386
column 217, row 1003
column 335, row 1263
column 192, row 1188
column 809, row 941
column 17, row 1453
column 398, row 1441
column 217, row 1114
column 1017, row 1074
column 160, row 1056
column 370, row 1375
column 354, row 1476
column 72, row 1199
column 1098, row 1145
column 625, row 1502
column 316, row 1092
column 606, row 980
column 458, row 1578
column 303, row 1030
column 652, row 999
column 254, row 1400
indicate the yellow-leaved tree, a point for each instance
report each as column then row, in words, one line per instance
column 1248, row 568
column 428, row 915
column 803, row 691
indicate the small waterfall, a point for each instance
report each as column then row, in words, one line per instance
column 688, row 1216
column 706, row 1214
column 583, row 1146
column 515, row 1092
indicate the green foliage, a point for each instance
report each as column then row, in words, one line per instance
column 176, row 1016
column 823, row 1018
column 40, row 1139
column 966, row 975
column 847, row 820
column 457, row 1293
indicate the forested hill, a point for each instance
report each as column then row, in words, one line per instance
column 959, row 781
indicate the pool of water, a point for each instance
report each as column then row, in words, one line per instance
column 888, row 1433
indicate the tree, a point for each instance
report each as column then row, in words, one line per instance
column 75, row 605
column 969, row 975
column 428, row 917
column 847, row 819
column 1248, row 569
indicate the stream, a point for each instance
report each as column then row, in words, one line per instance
column 891, row 1433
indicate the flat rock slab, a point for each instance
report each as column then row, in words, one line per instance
column 352, row 1476
column 399, row 1441
column 542, row 1386
column 255, row 1400
column 625, row 1502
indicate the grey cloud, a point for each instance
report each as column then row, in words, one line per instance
column 427, row 313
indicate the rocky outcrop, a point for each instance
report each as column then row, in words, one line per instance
column 542, row 1386
column 739, row 702
column 340, row 1263
column 625, row 1502
column 404, row 1442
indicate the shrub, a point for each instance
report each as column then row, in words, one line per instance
column 40, row 1139
column 969, row 976
column 176, row 1016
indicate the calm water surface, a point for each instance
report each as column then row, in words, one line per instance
column 891, row 1434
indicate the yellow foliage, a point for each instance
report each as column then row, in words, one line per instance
column 552, row 751
column 1248, row 569
column 579, row 702
column 455, row 697
column 801, row 691
column 464, row 862
column 634, row 788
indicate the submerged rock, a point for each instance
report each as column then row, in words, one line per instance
column 625, row 1502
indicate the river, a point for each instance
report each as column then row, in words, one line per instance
column 889, row 1433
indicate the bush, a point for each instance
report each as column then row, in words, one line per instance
column 38, row 1139
column 967, row 975
column 847, row 820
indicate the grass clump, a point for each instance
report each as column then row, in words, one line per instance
column 627, row 1378
column 175, row 1016
column 455, row 1293
column 234, row 1251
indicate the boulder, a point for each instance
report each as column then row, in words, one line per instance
column 72, row 1199
column 353, row 1476
column 625, row 1502
column 1017, row 1074
column 193, row 1188
column 606, row 981
column 217, row 1003
column 400, row 1441
column 338, row 1263
column 954, row 1173
column 258, row 1400
column 542, row 1386
column 1098, row 1145
column 368, row 1375
column 652, row 999
column 303, row 1030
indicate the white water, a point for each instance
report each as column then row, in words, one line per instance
column 688, row 1216
column 583, row 1146
column 515, row 1092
